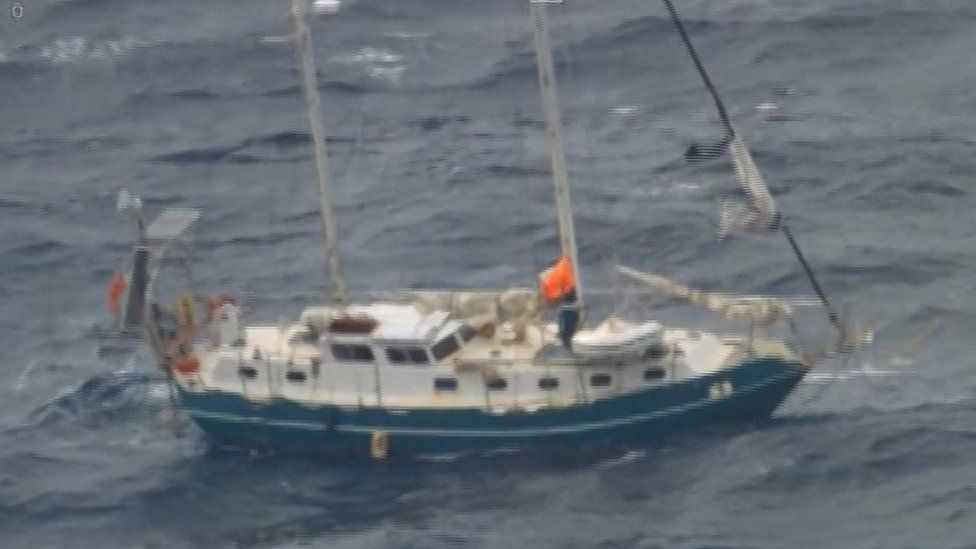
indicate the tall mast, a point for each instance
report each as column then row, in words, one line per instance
column 306, row 60
column 550, row 106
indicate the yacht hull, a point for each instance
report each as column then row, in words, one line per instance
column 749, row 391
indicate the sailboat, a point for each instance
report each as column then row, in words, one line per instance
column 413, row 372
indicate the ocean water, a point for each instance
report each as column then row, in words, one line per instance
column 860, row 113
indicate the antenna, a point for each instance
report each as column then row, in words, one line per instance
column 127, row 202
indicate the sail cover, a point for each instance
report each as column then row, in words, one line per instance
column 759, row 212
column 758, row 309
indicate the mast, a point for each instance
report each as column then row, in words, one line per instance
column 550, row 107
column 306, row 60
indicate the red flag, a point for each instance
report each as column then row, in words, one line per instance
column 116, row 287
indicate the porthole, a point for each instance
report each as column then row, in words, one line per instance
column 296, row 376
column 497, row 384
column 548, row 383
column 651, row 374
column 655, row 352
column 247, row 372
column 445, row 384
column 600, row 380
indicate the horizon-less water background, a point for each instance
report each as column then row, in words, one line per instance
column 859, row 112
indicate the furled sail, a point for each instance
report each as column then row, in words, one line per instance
column 759, row 212
column 761, row 310
column 516, row 305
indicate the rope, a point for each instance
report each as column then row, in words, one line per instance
column 831, row 313
column 727, row 124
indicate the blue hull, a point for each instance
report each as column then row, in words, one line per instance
column 758, row 387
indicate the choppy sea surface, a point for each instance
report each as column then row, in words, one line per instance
column 860, row 112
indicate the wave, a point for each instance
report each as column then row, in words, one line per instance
column 907, row 269
column 282, row 140
column 69, row 50
column 46, row 146
column 935, row 188
column 41, row 246
column 432, row 123
column 266, row 239
column 194, row 156
column 502, row 170
column 330, row 86
column 13, row 70
column 13, row 204
column 104, row 398
column 908, row 195
column 191, row 95
column 655, row 33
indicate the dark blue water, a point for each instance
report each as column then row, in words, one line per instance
column 860, row 113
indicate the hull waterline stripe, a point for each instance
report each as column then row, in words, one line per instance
column 487, row 433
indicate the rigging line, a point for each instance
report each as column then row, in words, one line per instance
column 726, row 122
column 831, row 313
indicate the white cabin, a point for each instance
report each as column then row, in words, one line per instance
column 410, row 355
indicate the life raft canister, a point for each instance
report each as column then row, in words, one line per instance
column 187, row 364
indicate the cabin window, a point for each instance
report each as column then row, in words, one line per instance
column 352, row 352
column 651, row 374
column 600, row 380
column 304, row 337
column 444, row 347
column 548, row 383
column 445, row 384
column 296, row 376
column 655, row 352
column 497, row 384
column 407, row 355
column 247, row 372
column 466, row 332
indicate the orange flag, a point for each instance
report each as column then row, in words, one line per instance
column 115, row 290
column 557, row 281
